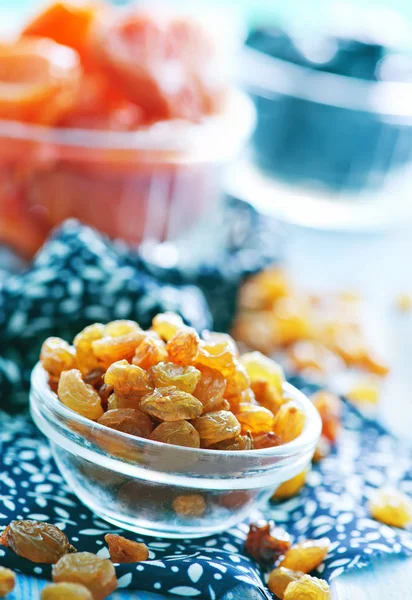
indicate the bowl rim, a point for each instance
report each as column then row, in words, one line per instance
column 308, row 437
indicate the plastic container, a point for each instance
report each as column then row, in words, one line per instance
column 150, row 184
column 134, row 487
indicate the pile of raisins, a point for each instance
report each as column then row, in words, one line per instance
column 169, row 385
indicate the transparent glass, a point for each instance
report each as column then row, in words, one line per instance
column 134, row 482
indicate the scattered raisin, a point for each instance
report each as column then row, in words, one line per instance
column 167, row 325
column 122, row 550
column 96, row 574
column 66, row 591
column 280, row 578
column 177, row 433
column 35, row 540
column 330, row 409
column 79, row 396
column 289, row 421
column 127, row 420
column 192, row 505
column 171, row 404
column 290, row 488
column 127, row 379
column 266, row 543
column 306, row 555
column 57, row 356
column 183, row 346
column 214, row 427
column 7, row 581
column 391, row 507
column 169, row 374
column 307, row 588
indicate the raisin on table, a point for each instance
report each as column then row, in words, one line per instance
column 65, row 591
column 280, row 578
column 266, row 543
column 96, row 574
column 35, row 540
column 7, row 581
column 391, row 507
column 306, row 555
column 122, row 550
column 307, row 588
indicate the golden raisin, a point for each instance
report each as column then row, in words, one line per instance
column 183, row 346
column 149, row 352
column 35, row 540
column 210, row 388
column 169, row 374
column 118, row 401
column 96, row 574
column 289, row 421
column 247, row 397
column 167, row 325
column 391, row 507
column 366, row 391
column 214, row 336
column 306, row 555
column 267, row 395
column 112, row 349
column 127, row 379
column 260, row 367
column 263, row 289
column 192, row 505
column 122, row 550
column 7, row 581
column 121, row 327
column 241, row 442
column 79, row 396
column 237, row 379
column 171, row 404
column 66, row 591
column 86, row 361
column 177, row 433
column 213, row 427
column 266, row 440
column 290, row 488
column 265, row 543
column 255, row 419
column 215, row 354
column 255, row 330
column 127, row 420
column 56, row 356
column 280, row 578
column 330, row 410
column 307, row 588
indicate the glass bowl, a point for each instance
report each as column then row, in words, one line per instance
column 142, row 485
column 151, row 184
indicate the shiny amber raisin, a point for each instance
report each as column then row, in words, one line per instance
column 237, row 379
column 79, row 396
column 210, row 388
column 307, row 588
column 267, row 395
column 35, row 540
column 96, row 574
column 266, row 440
column 215, row 354
column 289, row 421
column 241, row 399
column 292, row 320
column 260, row 367
column 178, row 433
column 330, row 409
column 57, row 355
column 183, row 346
column 365, row 391
column 255, row 419
column 241, row 442
column 121, row 327
column 214, row 427
column 118, row 401
column 290, row 488
column 122, row 550
column 306, row 555
column 112, row 349
column 66, row 591
column 167, row 325
column 169, row 374
column 171, row 404
column 214, row 336
column 149, row 352
column 86, row 361
column 192, row 505
column 263, row 289
column 7, row 581
column 127, row 379
column 127, row 420
column 265, row 543
column 391, row 507
column 280, row 578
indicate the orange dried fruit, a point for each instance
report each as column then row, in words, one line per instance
column 290, row 488
column 56, row 356
column 263, row 289
column 260, row 367
column 127, row 420
column 266, row 440
column 150, row 352
column 79, row 396
column 192, row 505
column 267, row 395
column 36, row 541
column 210, row 388
column 121, row 327
column 66, row 591
column 241, row 442
column 237, row 379
column 307, row 588
column 265, row 543
column 214, row 427
column 96, row 574
column 216, row 354
column 121, row 347
column 329, row 407
column 306, row 555
column 177, row 433
column 171, row 404
column 122, row 550
column 7, row 581
column 167, row 324
column 85, row 359
column 392, row 507
column 280, row 578
column 117, row 401
column 289, row 421
column 127, row 379
column 168, row 374
column 255, row 419
column 183, row 347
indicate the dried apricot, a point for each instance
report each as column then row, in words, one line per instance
column 167, row 325
column 192, row 505
column 79, row 396
column 391, row 507
column 7, row 581
column 127, row 379
column 127, row 420
column 96, row 574
column 260, row 367
column 56, row 356
column 171, row 404
column 122, row 550
column 265, row 543
column 183, row 346
column 169, row 374
column 307, row 588
column 214, row 427
column 241, row 442
column 329, row 407
column 280, row 578
column 121, row 347
column 289, row 421
column 178, row 433
column 68, row 591
column 35, row 540
column 306, row 555
column 85, row 359
column 149, row 352
column 290, row 488
column 266, row 440
column 255, row 419
column 210, row 388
